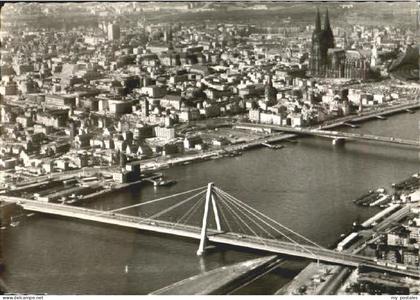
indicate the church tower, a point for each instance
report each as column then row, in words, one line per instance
column 270, row 92
column 328, row 34
column 315, row 62
column 322, row 40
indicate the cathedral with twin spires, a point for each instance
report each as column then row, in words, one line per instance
column 322, row 40
column 327, row 61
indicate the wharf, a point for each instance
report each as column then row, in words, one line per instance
column 299, row 283
column 7, row 211
column 152, row 164
column 114, row 188
column 86, row 192
column 409, row 184
column 339, row 274
column 224, row 280
column 366, row 116
column 39, row 180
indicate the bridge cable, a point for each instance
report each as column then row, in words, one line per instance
column 224, row 200
column 293, row 242
column 174, row 206
column 284, row 235
column 241, row 220
column 277, row 230
column 247, row 216
column 266, row 221
column 245, row 223
column 190, row 211
column 222, row 205
column 226, row 220
column 270, row 219
column 193, row 212
column 263, row 239
column 151, row 201
column 187, row 211
column 250, row 218
column 235, row 219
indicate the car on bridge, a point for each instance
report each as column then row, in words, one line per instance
column 239, row 236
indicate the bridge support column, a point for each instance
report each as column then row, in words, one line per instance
column 338, row 141
column 203, row 237
column 216, row 213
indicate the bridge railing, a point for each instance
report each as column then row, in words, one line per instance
column 103, row 215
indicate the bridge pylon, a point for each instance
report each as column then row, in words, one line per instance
column 209, row 198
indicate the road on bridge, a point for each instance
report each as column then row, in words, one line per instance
column 229, row 238
column 335, row 134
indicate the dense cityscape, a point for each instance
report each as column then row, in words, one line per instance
column 106, row 105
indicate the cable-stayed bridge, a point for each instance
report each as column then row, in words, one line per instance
column 211, row 215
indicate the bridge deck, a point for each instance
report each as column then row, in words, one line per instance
column 337, row 134
column 246, row 241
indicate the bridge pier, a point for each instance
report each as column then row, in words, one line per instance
column 322, row 132
column 338, row 141
column 203, row 236
column 216, row 213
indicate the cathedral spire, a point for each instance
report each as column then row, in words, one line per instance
column 317, row 21
column 327, row 25
column 328, row 33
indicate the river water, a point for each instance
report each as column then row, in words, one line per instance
column 308, row 186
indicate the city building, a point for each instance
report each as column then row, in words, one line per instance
column 113, row 32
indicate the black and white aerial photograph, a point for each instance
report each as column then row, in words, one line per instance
column 210, row 148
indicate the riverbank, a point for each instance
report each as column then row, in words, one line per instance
column 115, row 188
column 408, row 107
column 9, row 210
column 278, row 137
column 160, row 164
column 316, row 281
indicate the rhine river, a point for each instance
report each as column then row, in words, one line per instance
column 308, row 186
